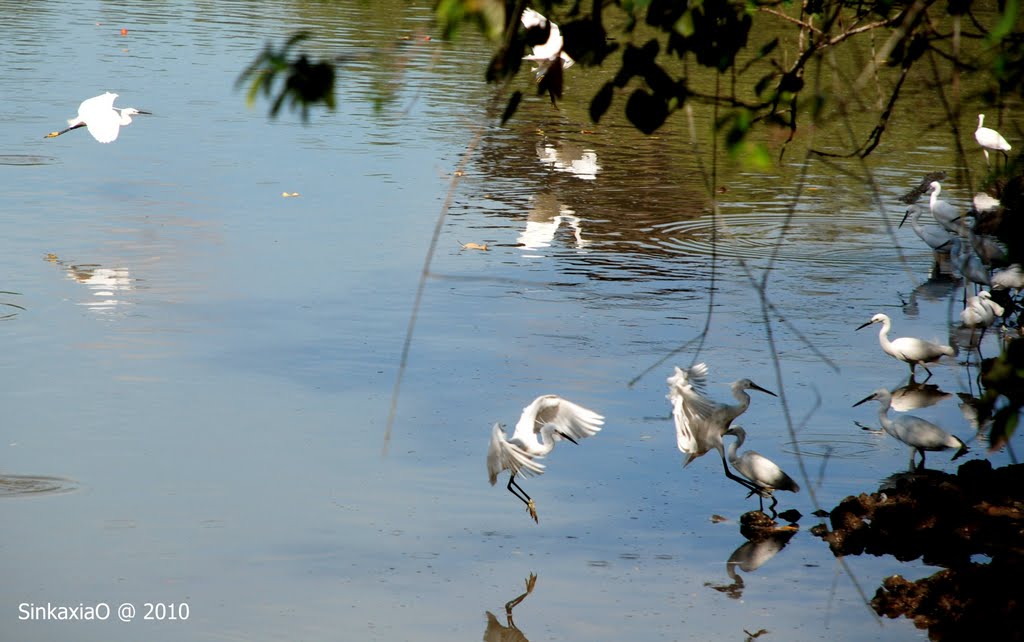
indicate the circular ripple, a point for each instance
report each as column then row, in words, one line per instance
column 861, row 242
column 25, row 485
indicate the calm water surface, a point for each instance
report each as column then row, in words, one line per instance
column 196, row 392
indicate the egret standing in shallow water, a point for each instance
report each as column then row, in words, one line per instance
column 945, row 214
column 938, row 239
column 919, row 434
column 101, row 118
column 981, row 311
column 989, row 139
column 908, row 349
column 700, row 422
column 546, row 421
column 765, row 474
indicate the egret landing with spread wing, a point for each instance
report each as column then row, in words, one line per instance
column 546, row 421
column 764, row 472
column 700, row 422
column 101, row 118
column 921, row 435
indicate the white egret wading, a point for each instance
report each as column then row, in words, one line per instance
column 908, row 349
column 700, row 422
column 981, row 311
column 990, row 139
column 101, row 118
column 765, row 474
column 939, row 239
column 546, row 54
column 945, row 214
column 545, row 422
column 919, row 434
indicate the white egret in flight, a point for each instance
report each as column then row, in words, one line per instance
column 919, row 434
column 908, row 349
column 544, row 55
column 546, row 421
column 700, row 422
column 101, row 118
column 990, row 139
column 765, row 474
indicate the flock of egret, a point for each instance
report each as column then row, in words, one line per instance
column 701, row 424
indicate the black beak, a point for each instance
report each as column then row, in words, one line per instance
column 757, row 387
column 868, row 398
column 904, row 219
column 864, row 325
column 565, row 436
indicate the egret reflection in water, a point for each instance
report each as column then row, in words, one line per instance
column 750, row 556
column 104, row 284
column 545, row 218
column 914, row 395
column 569, row 158
column 496, row 631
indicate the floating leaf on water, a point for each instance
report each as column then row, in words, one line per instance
column 289, row 194
column 474, row 246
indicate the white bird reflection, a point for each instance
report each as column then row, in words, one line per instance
column 103, row 283
column 916, row 395
column 543, row 221
column 495, row 631
column 749, row 557
column 581, row 163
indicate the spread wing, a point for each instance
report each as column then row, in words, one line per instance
column 565, row 417
column 690, row 409
column 569, row 418
column 504, row 455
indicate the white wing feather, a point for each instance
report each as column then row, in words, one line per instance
column 504, row 455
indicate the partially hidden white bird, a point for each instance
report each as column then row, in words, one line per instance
column 981, row 311
column 945, row 214
column 546, row 421
column 939, row 239
column 545, row 54
column 763, row 472
column 910, row 350
column 101, row 118
column 1010, row 278
column 989, row 139
column 967, row 263
column 700, row 422
column 921, row 435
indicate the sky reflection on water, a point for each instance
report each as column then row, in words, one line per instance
column 223, row 422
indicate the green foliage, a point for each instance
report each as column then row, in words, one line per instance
column 306, row 83
column 1003, row 380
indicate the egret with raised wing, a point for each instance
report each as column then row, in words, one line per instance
column 546, row 421
column 550, row 51
column 910, row 350
column 990, row 139
column 101, row 118
column 700, row 422
column 763, row 472
column 921, row 435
